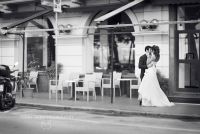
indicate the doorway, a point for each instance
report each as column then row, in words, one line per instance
column 188, row 61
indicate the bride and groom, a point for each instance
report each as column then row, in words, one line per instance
column 149, row 92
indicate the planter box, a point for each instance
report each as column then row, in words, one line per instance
column 27, row 92
column 43, row 82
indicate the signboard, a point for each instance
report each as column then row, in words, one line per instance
column 57, row 6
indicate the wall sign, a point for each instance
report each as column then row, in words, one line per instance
column 57, row 6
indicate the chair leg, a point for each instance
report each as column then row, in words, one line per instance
column 102, row 92
column 56, row 95
column 114, row 93
column 83, row 94
column 71, row 91
column 75, row 95
column 49, row 94
column 36, row 86
column 88, row 95
column 130, row 93
column 94, row 94
column 21, row 93
column 61, row 94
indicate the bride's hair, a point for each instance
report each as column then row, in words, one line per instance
column 156, row 51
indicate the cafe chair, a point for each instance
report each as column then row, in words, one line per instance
column 86, row 85
column 134, row 85
column 98, row 78
column 33, row 76
column 54, row 89
column 117, row 76
column 106, row 83
column 73, row 77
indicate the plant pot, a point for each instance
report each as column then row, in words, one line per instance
column 27, row 92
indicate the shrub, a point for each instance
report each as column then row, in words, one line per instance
column 163, row 82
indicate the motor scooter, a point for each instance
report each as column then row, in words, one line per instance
column 8, row 87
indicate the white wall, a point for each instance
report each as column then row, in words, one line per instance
column 160, row 36
column 71, row 47
column 85, row 57
column 9, row 50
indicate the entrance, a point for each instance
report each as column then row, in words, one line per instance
column 188, row 61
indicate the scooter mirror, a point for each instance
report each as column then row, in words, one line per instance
column 16, row 63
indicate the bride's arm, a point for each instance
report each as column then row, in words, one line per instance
column 149, row 62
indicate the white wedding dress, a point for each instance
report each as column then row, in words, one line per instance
column 150, row 92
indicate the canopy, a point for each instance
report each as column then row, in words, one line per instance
column 164, row 2
column 17, row 23
column 119, row 10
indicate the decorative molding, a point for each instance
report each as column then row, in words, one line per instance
column 70, row 36
column 150, row 33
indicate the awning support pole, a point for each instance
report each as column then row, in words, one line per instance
column 111, row 61
column 56, row 41
column 23, row 38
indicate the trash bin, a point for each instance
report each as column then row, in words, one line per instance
column 43, row 81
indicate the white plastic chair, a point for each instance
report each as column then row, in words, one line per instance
column 106, row 83
column 134, row 85
column 33, row 79
column 98, row 77
column 73, row 77
column 88, row 85
column 54, row 89
column 117, row 76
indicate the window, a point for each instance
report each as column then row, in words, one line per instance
column 34, row 52
column 123, row 46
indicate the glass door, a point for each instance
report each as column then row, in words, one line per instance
column 188, row 61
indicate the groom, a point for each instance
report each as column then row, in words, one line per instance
column 143, row 60
column 143, row 64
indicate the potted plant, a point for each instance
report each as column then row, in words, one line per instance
column 27, row 91
column 163, row 82
column 51, row 70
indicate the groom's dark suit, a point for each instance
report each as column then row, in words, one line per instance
column 142, row 65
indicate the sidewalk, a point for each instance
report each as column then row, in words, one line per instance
column 122, row 106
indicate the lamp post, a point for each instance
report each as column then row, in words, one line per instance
column 56, row 42
column 111, row 61
column 57, row 8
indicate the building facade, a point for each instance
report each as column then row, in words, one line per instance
column 84, row 48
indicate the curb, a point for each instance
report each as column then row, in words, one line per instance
column 113, row 112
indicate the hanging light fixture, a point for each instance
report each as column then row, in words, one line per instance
column 144, row 24
column 68, row 28
column 153, row 24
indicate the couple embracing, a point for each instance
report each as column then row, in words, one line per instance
column 150, row 93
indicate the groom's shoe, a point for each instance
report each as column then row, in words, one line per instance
column 140, row 102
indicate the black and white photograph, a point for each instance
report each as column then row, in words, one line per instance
column 99, row 66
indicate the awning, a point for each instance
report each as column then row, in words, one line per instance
column 167, row 2
column 17, row 23
column 15, row 1
column 119, row 10
column 93, row 8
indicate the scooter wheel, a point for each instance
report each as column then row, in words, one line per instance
column 2, row 103
column 13, row 103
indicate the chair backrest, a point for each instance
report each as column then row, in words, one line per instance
column 74, row 76
column 135, row 82
column 89, row 81
column 98, row 77
column 61, row 80
column 33, row 76
column 116, row 77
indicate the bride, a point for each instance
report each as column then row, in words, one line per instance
column 150, row 93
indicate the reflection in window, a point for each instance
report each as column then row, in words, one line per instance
column 188, row 77
column 123, row 55
column 123, row 46
column 34, row 53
